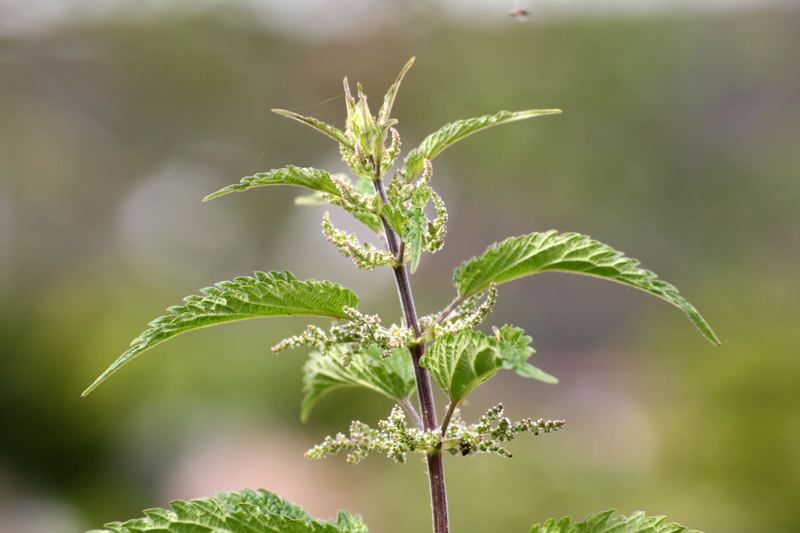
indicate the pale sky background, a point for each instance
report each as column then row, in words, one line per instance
column 332, row 18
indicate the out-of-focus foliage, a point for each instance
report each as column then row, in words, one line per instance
column 637, row 522
column 678, row 140
column 236, row 512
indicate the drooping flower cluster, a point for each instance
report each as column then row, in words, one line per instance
column 364, row 255
column 395, row 439
column 405, row 213
column 365, row 152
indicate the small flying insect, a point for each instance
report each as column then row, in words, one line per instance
column 519, row 13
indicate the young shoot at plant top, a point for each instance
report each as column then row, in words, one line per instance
column 394, row 199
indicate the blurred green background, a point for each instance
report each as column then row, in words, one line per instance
column 679, row 144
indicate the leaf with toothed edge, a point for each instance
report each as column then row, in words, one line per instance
column 245, row 297
column 310, row 178
column 326, row 129
column 460, row 362
column 515, row 349
column 453, row 132
column 530, row 254
column 392, row 377
column 605, row 522
column 246, row 511
column 464, row 360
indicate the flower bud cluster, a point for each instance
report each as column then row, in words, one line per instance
column 438, row 226
column 468, row 314
column 391, row 153
column 364, row 255
column 358, row 331
column 359, row 201
column 366, row 154
column 353, row 197
column 395, row 439
column 408, row 201
column 403, row 189
column 492, row 429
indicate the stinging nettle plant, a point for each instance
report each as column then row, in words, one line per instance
column 397, row 360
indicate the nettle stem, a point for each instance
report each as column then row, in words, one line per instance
column 424, row 389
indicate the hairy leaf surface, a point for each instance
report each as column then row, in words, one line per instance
column 246, row 511
column 605, row 522
column 460, row 362
column 450, row 133
column 413, row 232
column 310, row 178
column 262, row 295
column 525, row 255
column 514, row 348
column 392, row 377
column 326, row 129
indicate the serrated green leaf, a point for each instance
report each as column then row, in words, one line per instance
column 395, row 217
column 388, row 100
column 331, row 131
column 605, row 522
column 514, row 345
column 514, row 349
column 364, row 186
column 246, row 511
column 529, row 371
column 413, row 232
column 392, row 377
column 450, row 133
column 413, row 236
column 310, row 178
column 530, row 254
column 370, row 220
column 262, row 295
column 460, row 362
column 314, row 198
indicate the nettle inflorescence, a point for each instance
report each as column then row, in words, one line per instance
column 395, row 439
column 351, row 336
column 407, row 218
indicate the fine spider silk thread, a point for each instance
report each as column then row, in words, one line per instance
column 271, row 137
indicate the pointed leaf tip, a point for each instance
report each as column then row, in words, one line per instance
column 536, row 252
column 388, row 99
column 326, row 129
column 453, row 132
column 245, row 297
column 310, row 178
